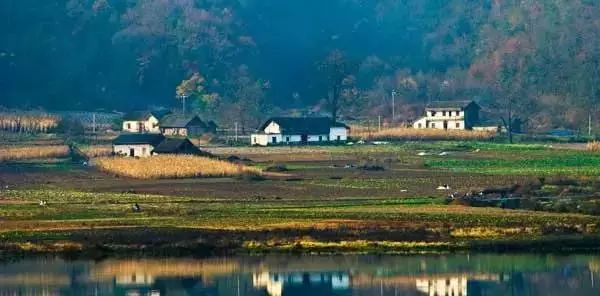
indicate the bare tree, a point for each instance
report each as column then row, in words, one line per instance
column 337, row 69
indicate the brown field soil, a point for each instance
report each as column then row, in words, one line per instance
column 324, row 201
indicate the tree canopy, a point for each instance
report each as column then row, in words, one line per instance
column 262, row 57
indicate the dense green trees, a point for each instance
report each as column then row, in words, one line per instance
column 260, row 56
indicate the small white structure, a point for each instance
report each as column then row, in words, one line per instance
column 299, row 130
column 143, row 122
column 456, row 115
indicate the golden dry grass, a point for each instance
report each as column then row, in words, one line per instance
column 28, row 121
column 593, row 146
column 172, row 167
column 97, row 150
column 33, row 152
column 406, row 133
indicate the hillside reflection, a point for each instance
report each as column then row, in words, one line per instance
column 458, row 275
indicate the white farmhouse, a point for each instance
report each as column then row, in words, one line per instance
column 146, row 145
column 136, row 145
column 299, row 130
column 458, row 115
column 143, row 121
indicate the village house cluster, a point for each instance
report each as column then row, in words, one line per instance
column 452, row 115
column 147, row 133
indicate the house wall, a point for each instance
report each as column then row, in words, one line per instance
column 272, row 128
column 142, row 150
column 181, row 132
column 148, row 126
column 266, row 140
column 342, row 132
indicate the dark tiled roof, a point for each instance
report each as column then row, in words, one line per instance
column 450, row 104
column 132, row 139
column 172, row 145
column 160, row 114
column 136, row 116
column 303, row 125
column 144, row 115
column 180, row 121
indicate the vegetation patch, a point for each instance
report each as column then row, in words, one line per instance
column 411, row 134
column 171, row 166
column 8, row 153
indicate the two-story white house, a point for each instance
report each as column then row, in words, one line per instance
column 299, row 130
column 458, row 115
column 143, row 121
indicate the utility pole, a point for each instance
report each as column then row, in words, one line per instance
column 590, row 124
column 379, row 122
column 393, row 105
column 94, row 123
column 236, row 131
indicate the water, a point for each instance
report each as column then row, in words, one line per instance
column 307, row 275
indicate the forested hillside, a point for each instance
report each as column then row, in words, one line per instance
column 247, row 59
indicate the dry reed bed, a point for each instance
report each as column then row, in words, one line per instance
column 405, row 133
column 32, row 152
column 593, row 146
column 29, row 122
column 172, row 167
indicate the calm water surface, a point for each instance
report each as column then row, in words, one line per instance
column 308, row 275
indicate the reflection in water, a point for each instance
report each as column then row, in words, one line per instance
column 292, row 275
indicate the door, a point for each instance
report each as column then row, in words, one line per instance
column 132, row 152
column 304, row 138
column 445, row 124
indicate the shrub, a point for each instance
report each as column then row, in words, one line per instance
column 277, row 168
column 172, row 166
column 593, row 146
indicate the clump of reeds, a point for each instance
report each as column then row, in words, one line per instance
column 28, row 122
column 593, row 146
column 33, row 152
column 408, row 134
column 172, row 167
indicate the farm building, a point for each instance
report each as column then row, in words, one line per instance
column 183, row 126
column 146, row 145
column 143, row 121
column 176, row 146
column 299, row 130
column 458, row 115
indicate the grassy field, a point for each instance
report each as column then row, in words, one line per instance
column 328, row 199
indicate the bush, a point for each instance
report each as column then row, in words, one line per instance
column 277, row 168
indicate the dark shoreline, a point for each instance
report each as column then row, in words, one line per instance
column 210, row 243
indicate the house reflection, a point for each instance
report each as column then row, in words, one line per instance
column 451, row 286
column 275, row 283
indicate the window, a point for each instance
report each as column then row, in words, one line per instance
column 457, row 113
column 458, row 125
column 274, row 140
column 443, row 113
column 129, row 126
column 339, row 138
column 432, row 113
column 420, row 125
column 287, row 139
column 320, row 138
column 432, row 125
column 254, row 140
